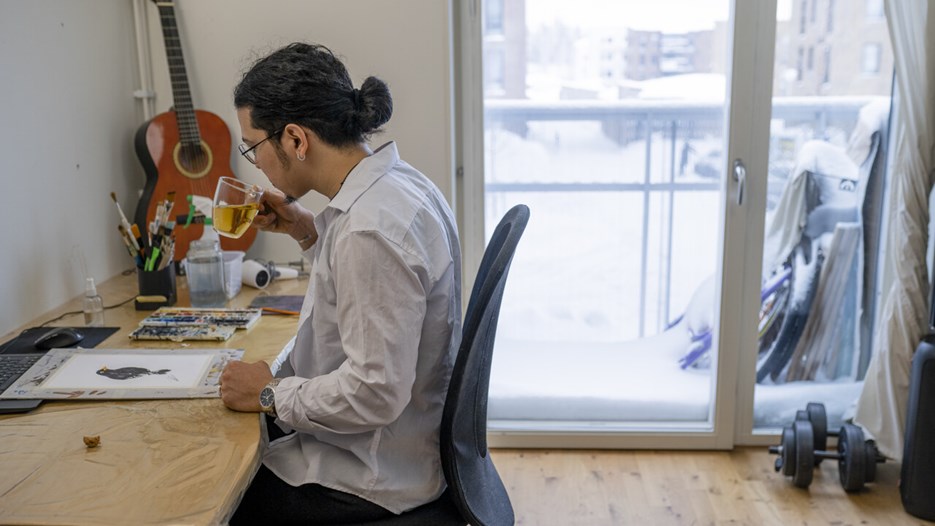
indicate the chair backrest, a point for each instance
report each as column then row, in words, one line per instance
column 474, row 484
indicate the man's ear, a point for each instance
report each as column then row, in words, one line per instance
column 296, row 140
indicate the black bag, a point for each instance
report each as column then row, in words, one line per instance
column 917, row 480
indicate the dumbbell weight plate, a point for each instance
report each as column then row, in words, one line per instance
column 870, row 461
column 804, row 414
column 851, row 465
column 804, row 453
column 788, row 451
column 819, row 419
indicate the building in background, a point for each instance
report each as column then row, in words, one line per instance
column 825, row 42
column 504, row 49
column 817, row 52
column 643, row 54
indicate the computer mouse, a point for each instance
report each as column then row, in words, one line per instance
column 58, row 338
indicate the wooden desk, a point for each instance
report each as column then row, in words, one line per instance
column 160, row 461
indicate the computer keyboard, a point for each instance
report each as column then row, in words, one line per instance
column 12, row 366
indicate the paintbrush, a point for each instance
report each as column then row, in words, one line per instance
column 128, row 241
column 123, row 218
column 137, row 236
column 170, row 203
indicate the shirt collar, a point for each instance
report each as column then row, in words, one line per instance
column 362, row 176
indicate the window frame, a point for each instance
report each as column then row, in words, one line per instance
column 752, row 25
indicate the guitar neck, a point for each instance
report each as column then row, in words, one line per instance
column 181, row 93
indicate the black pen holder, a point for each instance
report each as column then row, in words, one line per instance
column 157, row 288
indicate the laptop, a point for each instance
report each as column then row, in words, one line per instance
column 20, row 353
column 12, row 366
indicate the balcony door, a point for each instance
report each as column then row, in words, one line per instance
column 633, row 131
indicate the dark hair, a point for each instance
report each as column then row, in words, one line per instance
column 307, row 84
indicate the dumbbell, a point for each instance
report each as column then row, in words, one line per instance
column 815, row 413
column 857, row 458
column 793, row 451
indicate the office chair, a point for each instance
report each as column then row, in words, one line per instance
column 475, row 493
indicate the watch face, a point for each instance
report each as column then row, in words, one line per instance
column 267, row 398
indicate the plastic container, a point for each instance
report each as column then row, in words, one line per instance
column 204, row 269
column 233, row 269
column 93, row 305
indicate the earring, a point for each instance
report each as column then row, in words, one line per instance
column 300, row 157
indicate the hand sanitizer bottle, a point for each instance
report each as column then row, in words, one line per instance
column 93, row 305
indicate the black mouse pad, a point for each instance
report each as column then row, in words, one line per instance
column 24, row 342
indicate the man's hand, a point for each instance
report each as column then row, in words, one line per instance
column 241, row 384
column 281, row 214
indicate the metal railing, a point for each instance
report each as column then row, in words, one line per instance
column 626, row 121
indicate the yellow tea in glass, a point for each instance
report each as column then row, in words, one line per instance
column 235, row 205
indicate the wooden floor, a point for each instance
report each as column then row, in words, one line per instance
column 584, row 487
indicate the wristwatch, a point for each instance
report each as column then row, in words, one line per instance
column 268, row 398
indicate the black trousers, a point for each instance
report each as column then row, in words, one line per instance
column 271, row 501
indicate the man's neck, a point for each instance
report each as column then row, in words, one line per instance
column 341, row 167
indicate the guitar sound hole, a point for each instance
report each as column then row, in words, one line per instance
column 193, row 158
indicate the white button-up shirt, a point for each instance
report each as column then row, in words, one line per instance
column 365, row 383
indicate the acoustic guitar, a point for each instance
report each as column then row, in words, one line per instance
column 183, row 150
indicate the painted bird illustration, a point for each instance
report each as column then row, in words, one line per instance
column 128, row 373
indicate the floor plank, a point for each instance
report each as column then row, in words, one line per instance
column 598, row 487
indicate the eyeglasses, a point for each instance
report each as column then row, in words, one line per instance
column 249, row 154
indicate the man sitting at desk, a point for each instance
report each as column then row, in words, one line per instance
column 364, row 387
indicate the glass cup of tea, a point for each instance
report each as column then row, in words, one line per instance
column 236, row 203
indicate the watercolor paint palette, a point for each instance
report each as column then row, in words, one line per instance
column 180, row 316
column 177, row 333
column 205, row 324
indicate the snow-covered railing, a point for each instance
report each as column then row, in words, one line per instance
column 631, row 120
column 783, row 108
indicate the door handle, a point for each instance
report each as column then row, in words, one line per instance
column 740, row 175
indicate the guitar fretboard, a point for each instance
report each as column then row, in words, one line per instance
column 181, row 94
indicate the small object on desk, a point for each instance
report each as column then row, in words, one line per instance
column 93, row 306
column 152, row 302
column 255, row 274
column 157, row 288
column 58, row 337
column 92, row 441
column 271, row 310
column 183, row 332
column 277, row 304
column 285, row 273
column 204, row 271
column 233, row 263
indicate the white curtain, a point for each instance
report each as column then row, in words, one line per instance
column 881, row 408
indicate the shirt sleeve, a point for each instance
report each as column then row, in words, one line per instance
column 381, row 304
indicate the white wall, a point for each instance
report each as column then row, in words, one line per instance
column 66, row 127
column 67, row 74
column 404, row 42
